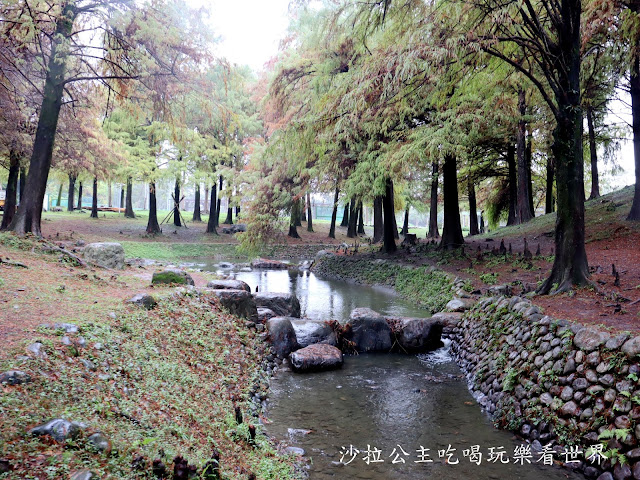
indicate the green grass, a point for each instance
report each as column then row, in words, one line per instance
column 173, row 251
column 166, row 384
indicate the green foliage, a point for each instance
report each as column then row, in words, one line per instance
column 489, row 278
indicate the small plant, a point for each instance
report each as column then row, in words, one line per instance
column 489, row 278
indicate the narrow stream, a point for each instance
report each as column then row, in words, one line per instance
column 399, row 405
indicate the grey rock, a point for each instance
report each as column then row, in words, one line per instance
column 282, row 304
column 172, row 276
column 14, row 377
column 569, row 409
column 88, row 364
column 631, row 347
column 546, row 398
column 616, row 342
column 323, row 254
column 460, row 304
column 416, row 335
column 448, row 319
column 589, row 338
column 580, row 384
column 265, row 314
column 309, row 332
column 225, row 265
column 294, row 451
column 229, row 285
column 100, row 442
column 267, row 264
column 143, row 300
column 37, row 349
column 84, row 475
column 67, row 327
column 621, row 472
column 105, row 254
column 369, row 331
column 58, row 428
column 496, row 290
column 282, row 336
column 315, row 358
column 567, row 393
column 605, row 476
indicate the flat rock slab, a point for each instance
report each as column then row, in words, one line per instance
column 416, row 335
column 315, row 358
column 172, row 276
column 282, row 304
column 282, row 336
column 369, row 331
column 238, row 302
column 267, row 264
column 229, row 285
column 105, row 254
column 310, row 332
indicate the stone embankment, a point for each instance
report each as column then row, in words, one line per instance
column 555, row 383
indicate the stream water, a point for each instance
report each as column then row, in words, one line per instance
column 386, row 407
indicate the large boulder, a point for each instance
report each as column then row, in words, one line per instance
column 282, row 304
column 238, row 302
column 369, row 331
column 14, row 377
column 105, row 254
column 229, row 285
column 267, row 264
column 448, row 319
column 460, row 304
column 282, row 336
column 416, row 335
column 309, row 332
column 172, row 275
column 315, row 358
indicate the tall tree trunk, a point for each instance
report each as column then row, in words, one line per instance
column 128, row 211
column 405, row 223
column 529, row 160
column 153, row 227
column 345, row 216
column 176, row 204
column 229, row 219
column 109, row 203
column 59, row 199
column 512, row 219
column 396, row 235
column 433, row 204
column 570, row 266
column 120, row 205
column 212, row 224
column 218, row 203
column 94, row 199
column 353, row 219
column 80, row 196
column 334, row 214
column 196, row 205
column 473, row 211
column 523, row 213
column 206, row 199
column 11, row 194
column 309, row 219
column 299, row 210
column 390, row 230
column 237, row 212
column 549, row 200
column 72, row 193
column 303, row 213
column 378, row 222
column 595, row 183
column 293, row 221
column 29, row 216
column 634, row 89
column 451, row 230
column 361, row 219
column 23, row 182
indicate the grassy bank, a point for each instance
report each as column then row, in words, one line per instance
column 428, row 287
column 158, row 384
